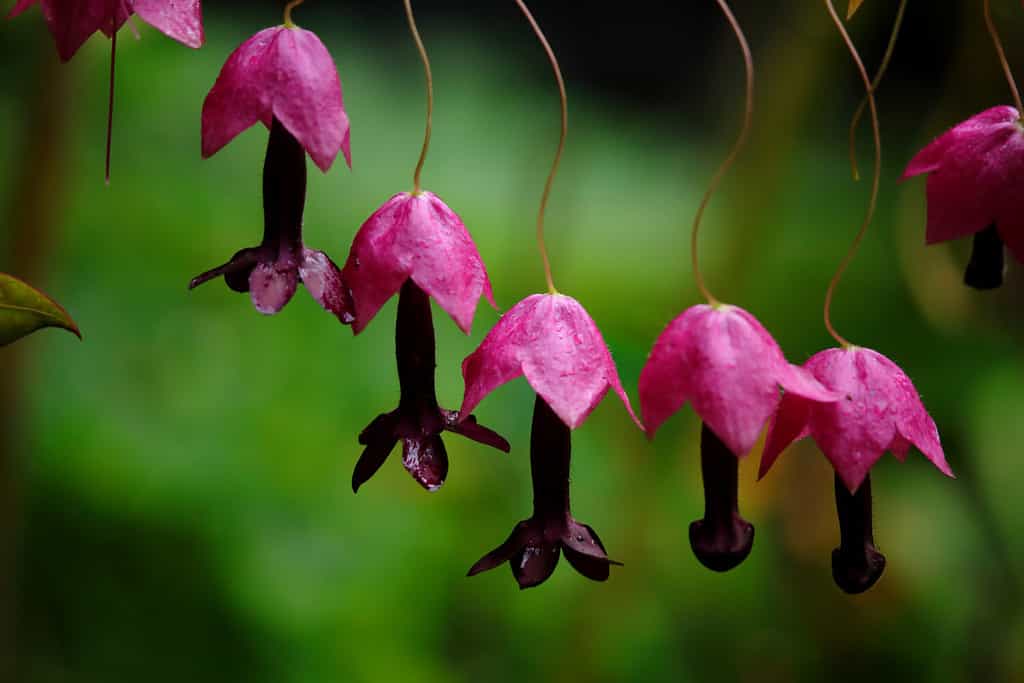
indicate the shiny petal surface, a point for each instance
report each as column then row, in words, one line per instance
column 553, row 342
column 504, row 552
column 181, row 20
column 271, row 288
column 323, row 280
column 418, row 237
column 426, row 460
column 282, row 72
column 723, row 361
column 975, row 178
column 879, row 410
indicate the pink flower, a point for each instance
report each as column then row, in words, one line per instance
column 726, row 364
column 722, row 360
column 879, row 410
column 551, row 340
column 976, row 187
column 71, row 22
column 417, row 237
column 284, row 73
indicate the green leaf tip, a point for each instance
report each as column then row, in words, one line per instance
column 24, row 309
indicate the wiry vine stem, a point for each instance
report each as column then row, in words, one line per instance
column 430, row 96
column 998, row 44
column 873, row 200
column 561, row 144
column 716, row 180
column 886, row 58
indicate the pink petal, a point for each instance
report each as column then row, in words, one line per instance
column 974, row 175
column 913, row 423
column 71, row 22
column 496, row 360
column 553, row 342
column 416, row 236
column 789, row 424
column 854, row 432
column 239, row 98
column 664, row 379
column 271, row 288
column 307, row 96
column 323, row 280
column 181, row 20
column 282, row 72
column 725, row 363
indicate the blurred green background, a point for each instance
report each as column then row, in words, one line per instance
column 175, row 489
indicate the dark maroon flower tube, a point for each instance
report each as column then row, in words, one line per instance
column 856, row 563
column 533, row 548
column 987, row 265
column 722, row 539
column 271, row 271
column 419, row 420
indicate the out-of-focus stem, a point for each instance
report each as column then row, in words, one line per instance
column 37, row 194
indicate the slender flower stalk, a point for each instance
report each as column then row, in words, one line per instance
column 563, row 101
column 873, row 200
column 882, row 68
column 998, row 44
column 288, row 12
column 417, row 187
column 110, row 97
column 716, row 180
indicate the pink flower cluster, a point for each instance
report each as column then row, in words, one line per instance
column 854, row 402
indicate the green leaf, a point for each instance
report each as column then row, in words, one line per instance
column 24, row 310
column 854, row 6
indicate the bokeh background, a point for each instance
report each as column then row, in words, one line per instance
column 174, row 491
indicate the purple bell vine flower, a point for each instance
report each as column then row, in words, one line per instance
column 416, row 246
column 879, row 410
column 974, row 182
column 284, row 77
column 552, row 341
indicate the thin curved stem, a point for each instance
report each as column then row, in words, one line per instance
column 873, row 201
column 288, row 12
column 998, row 44
column 417, row 188
column 110, row 99
column 857, row 115
column 716, row 180
column 561, row 144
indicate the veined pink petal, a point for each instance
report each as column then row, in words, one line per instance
column 239, row 98
column 271, row 288
column 282, row 72
column 307, row 96
column 418, row 237
column 181, row 20
column 789, row 424
column 723, row 361
column 553, row 342
column 879, row 410
column 71, row 22
column 975, row 177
